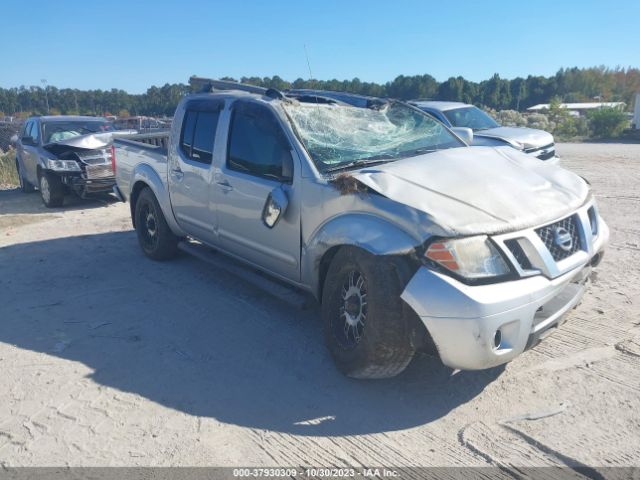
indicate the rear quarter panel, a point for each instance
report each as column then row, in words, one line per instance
column 139, row 165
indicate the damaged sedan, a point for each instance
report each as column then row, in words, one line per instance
column 409, row 239
column 64, row 154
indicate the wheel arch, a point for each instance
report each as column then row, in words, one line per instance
column 145, row 176
column 387, row 240
column 360, row 230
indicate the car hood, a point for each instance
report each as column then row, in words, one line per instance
column 527, row 137
column 90, row 141
column 474, row 190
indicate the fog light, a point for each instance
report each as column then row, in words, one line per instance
column 497, row 339
column 597, row 258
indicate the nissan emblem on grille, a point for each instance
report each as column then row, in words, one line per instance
column 562, row 238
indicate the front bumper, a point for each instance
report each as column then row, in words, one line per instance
column 82, row 185
column 463, row 320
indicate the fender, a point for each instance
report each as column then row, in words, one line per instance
column 147, row 175
column 22, row 168
column 363, row 230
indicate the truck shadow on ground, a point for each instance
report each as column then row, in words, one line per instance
column 195, row 339
column 15, row 202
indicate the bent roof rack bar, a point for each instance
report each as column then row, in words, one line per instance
column 205, row 85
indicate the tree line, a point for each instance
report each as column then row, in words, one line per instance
column 567, row 85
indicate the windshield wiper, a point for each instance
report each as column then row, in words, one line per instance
column 418, row 151
column 362, row 162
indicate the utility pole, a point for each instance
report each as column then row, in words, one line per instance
column 46, row 96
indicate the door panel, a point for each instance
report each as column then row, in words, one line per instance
column 242, row 232
column 258, row 161
column 190, row 171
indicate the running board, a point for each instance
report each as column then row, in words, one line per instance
column 293, row 297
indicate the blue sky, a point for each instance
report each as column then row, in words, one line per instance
column 133, row 44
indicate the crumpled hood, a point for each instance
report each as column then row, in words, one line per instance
column 528, row 137
column 90, row 141
column 475, row 190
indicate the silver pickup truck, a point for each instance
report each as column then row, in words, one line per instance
column 407, row 237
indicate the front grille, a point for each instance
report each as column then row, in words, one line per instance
column 93, row 157
column 514, row 246
column 99, row 171
column 535, row 149
column 552, row 234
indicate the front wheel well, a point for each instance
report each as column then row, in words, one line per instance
column 405, row 266
column 323, row 267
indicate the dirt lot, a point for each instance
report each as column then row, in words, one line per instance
column 108, row 358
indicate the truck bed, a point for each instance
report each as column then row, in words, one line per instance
column 148, row 148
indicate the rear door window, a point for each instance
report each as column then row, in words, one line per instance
column 188, row 127
column 199, row 130
column 203, row 136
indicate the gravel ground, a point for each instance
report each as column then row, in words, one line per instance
column 108, row 358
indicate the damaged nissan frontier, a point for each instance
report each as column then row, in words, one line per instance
column 409, row 239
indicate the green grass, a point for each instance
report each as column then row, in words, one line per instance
column 8, row 174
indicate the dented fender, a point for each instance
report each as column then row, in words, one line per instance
column 366, row 231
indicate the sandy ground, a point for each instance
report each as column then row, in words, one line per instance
column 108, row 358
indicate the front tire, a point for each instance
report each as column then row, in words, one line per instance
column 366, row 330
column 25, row 186
column 154, row 235
column 51, row 190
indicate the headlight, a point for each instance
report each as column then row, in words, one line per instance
column 472, row 257
column 63, row 165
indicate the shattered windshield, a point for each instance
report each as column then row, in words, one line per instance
column 470, row 117
column 338, row 136
column 59, row 131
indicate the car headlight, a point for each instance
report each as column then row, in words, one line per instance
column 471, row 257
column 63, row 165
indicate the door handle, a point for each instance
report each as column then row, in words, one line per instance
column 177, row 172
column 225, row 185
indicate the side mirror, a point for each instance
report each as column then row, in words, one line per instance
column 466, row 134
column 274, row 207
column 27, row 140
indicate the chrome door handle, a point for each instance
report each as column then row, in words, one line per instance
column 225, row 185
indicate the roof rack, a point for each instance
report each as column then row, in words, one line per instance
column 206, row 85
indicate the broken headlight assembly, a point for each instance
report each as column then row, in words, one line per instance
column 63, row 165
column 471, row 258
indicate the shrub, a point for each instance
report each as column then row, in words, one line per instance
column 510, row 118
column 607, row 122
column 539, row 121
column 8, row 174
column 570, row 127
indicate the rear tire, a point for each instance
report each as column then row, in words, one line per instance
column 366, row 330
column 51, row 190
column 25, row 186
column 154, row 235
